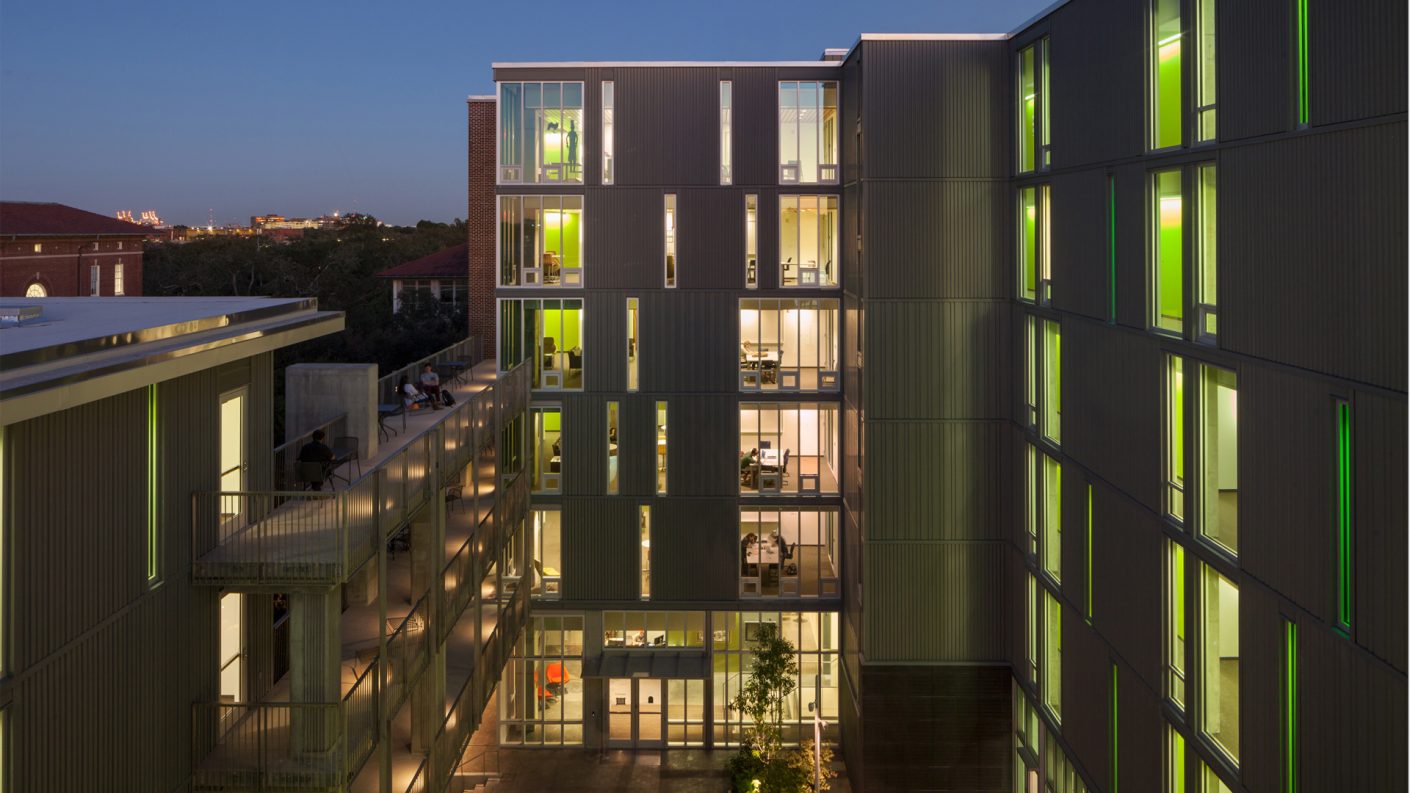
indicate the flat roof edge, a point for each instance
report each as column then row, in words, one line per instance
column 650, row 64
column 1027, row 23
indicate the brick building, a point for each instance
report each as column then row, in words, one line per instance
column 440, row 275
column 480, row 222
column 53, row 250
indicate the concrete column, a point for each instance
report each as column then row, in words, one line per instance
column 315, row 393
column 315, row 672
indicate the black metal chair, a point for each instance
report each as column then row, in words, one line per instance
column 345, row 449
column 454, row 493
column 311, row 475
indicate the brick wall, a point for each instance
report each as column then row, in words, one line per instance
column 62, row 266
column 480, row 222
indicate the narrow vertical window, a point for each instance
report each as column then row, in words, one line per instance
column 1030, row 369
column 633, row 351
column 1290, row 734
column 751, row 241
column 1031, row 486
column 612, row 413
column 1027, row 108
column 662, row 458
column 1209, row 782
column 670, row 240
column 1175, row 437
column 119, row 287
column 1052, row 381
column 1089, row 555
column 1344, row 514
column 1204, row 67
column 1174, row 761
column 726, row 133
column 548, row 556
column 1052, row 654
column 644, row 524
column 1175, row 623
column 1206, row 254
column 1045, row 159
column 1300, row 23
column 1032, row 642
column 1167, row 250
column 1028, row 243
column 547, row 449
column 1111, row 247
column 1219, row 660
column 153, row 485
column 1113, row 731
column 95, row 280
column 1051, row 517
column 609, row 98
column 1218, row 438
column 1165, row 75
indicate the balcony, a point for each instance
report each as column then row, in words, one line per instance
column 292, row 538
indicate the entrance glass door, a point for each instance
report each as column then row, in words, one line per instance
column 636, row 713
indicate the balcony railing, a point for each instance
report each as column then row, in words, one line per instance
column 294, row 537
column 285, row 456
column 460, row 354
column 408, row 650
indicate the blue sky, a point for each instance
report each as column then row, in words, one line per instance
column 304, row 108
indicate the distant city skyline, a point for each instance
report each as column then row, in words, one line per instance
column 243, row 110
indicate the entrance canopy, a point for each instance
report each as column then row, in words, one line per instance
column 654, row 663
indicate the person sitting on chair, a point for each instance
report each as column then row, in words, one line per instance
column 431, row 385
column 746, row 467
column 316, row 451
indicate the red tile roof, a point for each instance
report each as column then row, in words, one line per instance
column 449, row 263
column 31, row 219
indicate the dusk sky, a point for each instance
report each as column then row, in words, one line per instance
column 303, row 108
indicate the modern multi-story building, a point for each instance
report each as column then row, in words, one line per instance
column 890, row 349
column 183, row 610
column 53, row 250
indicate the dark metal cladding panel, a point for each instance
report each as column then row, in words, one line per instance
column 767, row 238
column 1131, row 255
column 853, row 220
column 1080, row 242
column 600, row 549
column 964, row 608
column 935, row 480
column 1111, row 413
column 584, row 444
column 710, row 238
column 694, row 549
column 938, row 360
column 619, row 251
column 1312, row 231
column 1141, row 732
column 1086, row 687
column 1380, row 519
column 636, row 445
column 690, row 342
column 667, row 126
column 605, row 347
column 755, row 127
column 1256, row 87
column 936, row 109
column 1128, row 551
column 1261, row 685
column 1097, row 68
column 850, row 97
column 947, row 239
column 702, row 445
column 1356, row 59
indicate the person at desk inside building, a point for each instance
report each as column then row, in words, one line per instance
column 316, row 451
column 748, row 468
column 431, row 385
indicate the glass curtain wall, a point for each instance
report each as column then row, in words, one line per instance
column 541, row 240
column 541, row 687
column 788, row 345
column 788, row 552
column 540, row 126
column 788, row 448
column 814, row 634
column 548, row 332
column 807, row 132
column 808, row 240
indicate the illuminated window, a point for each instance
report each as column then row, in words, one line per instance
column 1167, row 250
column 808, row 240
column 1206, row 254
column 1218, row 474
column 541, row 240
column 1174, row 761
column 726, row 132
column 118, row 286
column 788, row 345
column 751, row 241
column 788, row 448
column 670, row 240
column 547, row 549
column 95, row 280
column 633, row 343
column 788, row 553
column 1175, row 437
column 1165, row 75
column 232, row 648
column 1300, row 34
column 1034, row 245
column 36, row 289
column 807, row 132
column 539, row 128
column 612, row 415
column 1219, row 660
column 644, row 529
column 815, row 635
column 1032, row 633
column 550, row 334
column 232, row 466
column 1290, row 708
column 541, row 689
column 1175, row 622
column 1032, row 478
column 1033, row 141
column 662, row 456
column 1052, row 381
column 546, row 449
column 1344, row 519
column 609, row 91
column 1050, row 517
column 1052, row 654
column 1030, row 371
column 1205, row 71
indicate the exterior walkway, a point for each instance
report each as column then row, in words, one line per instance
column 642, row 771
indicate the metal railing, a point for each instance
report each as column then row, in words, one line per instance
column 360, row 709
column 273, row 746
column 285, row 456
column 462, row 352
column 418, row 780
column 408, row 650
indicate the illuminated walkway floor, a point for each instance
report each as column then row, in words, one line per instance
column 642, row 771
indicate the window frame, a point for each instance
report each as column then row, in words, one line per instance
column 608, row 99
column 502, row 168
column 1154, row 43
column 726, row 132
column 827, row 206
column 535, row 277
column 1039, row 157
column 798, row 166
column 1155, row 320
column 1042, row 293
column 670, row 261
column 751, row 241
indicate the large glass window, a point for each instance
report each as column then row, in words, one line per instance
column 1052, row 381
column 541, row 687
column 547, row 553
column 609, row 101
column 814, row 634
column 662, row 449
column 1167, row 250
column 1052, row 654
column 1051, row 517
column 788, row 552
column 1219, row 660
column 660, row 630
column 547, row 332
column 726, row 132
column 644, row 530
column 1207, row 253
column 685, row 713
column 1219, row 457
column 807, row 132
column 1033, row 142
column 808, row 241
column 1175, row 622
column 633, row 337
column 546, row 448
column 788, row 448
column 541, row 240
column 1175, row 437
column 751, row 241
column 1205, row 65
column 539, row 127
column 1034, row 269
column 670, row 260
column 1165, row 76
column 788, row 345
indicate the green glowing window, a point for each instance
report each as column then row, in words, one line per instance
column 1205, row 70
column 1175, row 437
column 546, row 449
column 1031, row 488
column 1300, row 24
column 1032, row 643
column 1052, row 381
column 1175, row 623
column 1219, row 661
column 154, row 473
column 1344, row 513
column 1174, row 761
column 1051, row 517
column 1218, row 474
column 540, row 128
column 1033, row 141
column 1166, row 101
column 1030, row 370
column 549, row 333
column 1033, row 244
column 1113, row 731
column 1206, row 254
column 1167, row 250
column 541, row 240
column 1052, row 655
column 1209, row 782
column 1089, row 554
column 1290, row 708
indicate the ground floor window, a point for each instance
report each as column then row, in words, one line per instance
column 541, row 687
column 814, row 634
